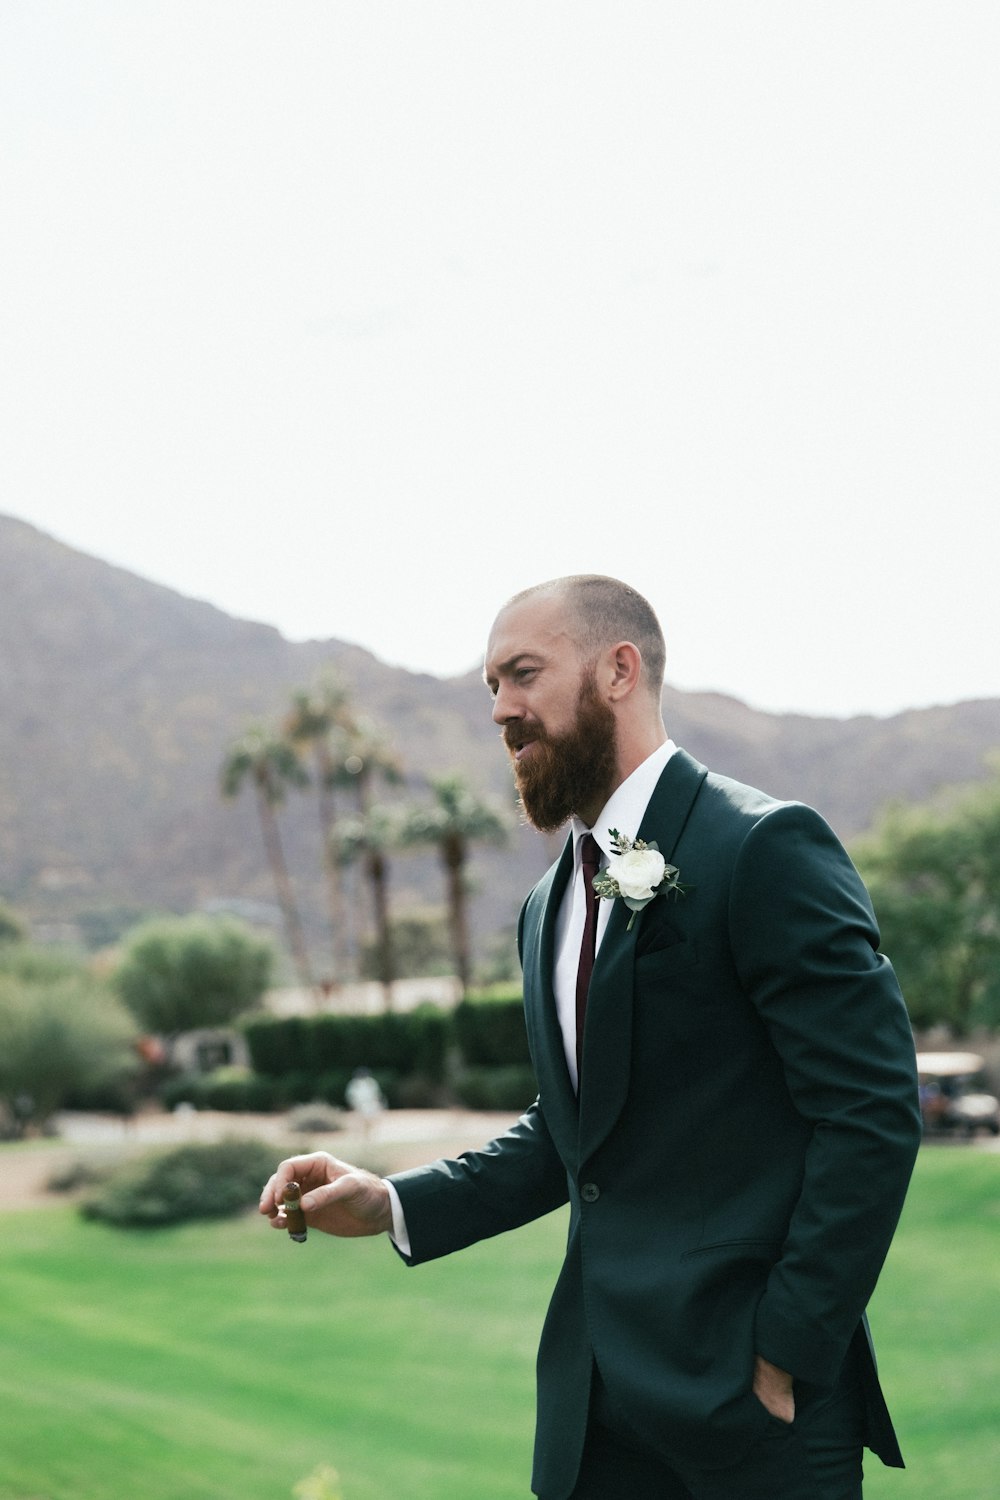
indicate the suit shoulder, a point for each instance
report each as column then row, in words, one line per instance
column 736, row 800
column 738, row 810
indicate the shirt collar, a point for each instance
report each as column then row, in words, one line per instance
column 626, row 807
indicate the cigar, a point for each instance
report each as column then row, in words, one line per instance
column 295, row 1219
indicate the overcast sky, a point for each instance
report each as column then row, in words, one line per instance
column 355, row 317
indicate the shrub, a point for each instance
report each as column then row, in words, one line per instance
column 330, row 1086
column 417, row 1091
column 315, row 1118
column 190, row 1182
column 491, row 1032
column 62, row 1035
column 230, row 1088
column 78, row 1174
column 276, row 1046
column 322, row 1047
column 181, row 972
column 508, row 1088
column 33, row 965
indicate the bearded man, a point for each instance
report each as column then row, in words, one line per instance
column 726, row 1097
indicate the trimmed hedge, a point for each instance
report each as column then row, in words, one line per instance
column 490, row 1032
column 414, row 1042
column 477, row 1054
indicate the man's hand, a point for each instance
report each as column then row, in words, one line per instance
column 773, row 1389
column 336, row 1197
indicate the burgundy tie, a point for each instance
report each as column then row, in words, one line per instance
column 590, row 854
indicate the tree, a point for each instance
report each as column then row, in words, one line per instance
column 321, row 721
column 369, row 839
column 934, row 876
column 60, row 1036
column 178, row 973
column 370, row 758
column 421, row 946
column 456, row 820
column 270, row 765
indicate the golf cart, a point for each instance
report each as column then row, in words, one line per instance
column 949, row 1101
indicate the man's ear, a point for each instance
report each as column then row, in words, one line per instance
column 625, row 666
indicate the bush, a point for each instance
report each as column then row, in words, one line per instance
column 323, row 1047
column 191, row 1182
column 315, row 1118
column 417, row 1091
column 62, row 1036
column 33, row 965
column 78, row 1174
column 224, row 1089
column 276, row 1046
column 308, row 1057
column 490, row 1032
column 331, row 1086
column 181, row 972
column 508, row 1088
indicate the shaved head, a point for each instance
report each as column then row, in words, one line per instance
column 603, row 611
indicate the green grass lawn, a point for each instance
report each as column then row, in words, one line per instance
column 936, row 1319
column 223, row 1362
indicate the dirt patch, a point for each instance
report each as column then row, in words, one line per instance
column 398, row 1139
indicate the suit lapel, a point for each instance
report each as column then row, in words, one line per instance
column 608, row 1035
column 538, row 963
column 671, row 803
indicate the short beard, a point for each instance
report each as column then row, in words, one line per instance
column 566, row 772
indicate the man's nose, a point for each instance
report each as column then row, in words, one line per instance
column 504, row 706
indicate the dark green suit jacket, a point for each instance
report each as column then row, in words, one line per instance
column 739, row 1153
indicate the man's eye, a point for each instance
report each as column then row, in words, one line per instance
column 523, row 673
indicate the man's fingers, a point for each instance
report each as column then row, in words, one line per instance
column 309, row 1171
column 336, row 1197
column 344, row 1186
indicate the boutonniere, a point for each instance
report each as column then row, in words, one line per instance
column 637, row 873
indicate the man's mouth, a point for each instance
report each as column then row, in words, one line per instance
column 519, row 746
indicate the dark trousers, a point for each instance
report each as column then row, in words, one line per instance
column 817, row 1457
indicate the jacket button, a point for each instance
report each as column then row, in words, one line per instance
column 590, row 1192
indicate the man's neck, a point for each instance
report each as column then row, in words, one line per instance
column 630, row 758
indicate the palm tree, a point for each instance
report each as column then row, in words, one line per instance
column 457, row 819
column 367, row 757
column 370, row 839
column 322, row 720
column 270, row 765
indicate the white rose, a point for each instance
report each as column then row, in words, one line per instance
column 638, row 872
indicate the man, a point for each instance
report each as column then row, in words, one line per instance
column 728, row 1102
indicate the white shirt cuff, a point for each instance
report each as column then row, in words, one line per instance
column 398, row 1233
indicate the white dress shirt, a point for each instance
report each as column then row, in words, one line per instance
column 624, row 811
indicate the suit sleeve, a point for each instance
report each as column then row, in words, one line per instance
column 451, row 1204
column 805, row 942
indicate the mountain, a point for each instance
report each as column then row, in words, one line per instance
column 120, row 697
